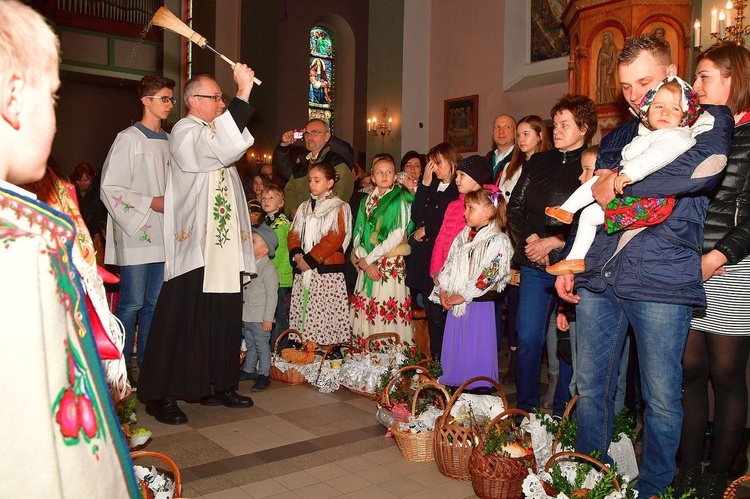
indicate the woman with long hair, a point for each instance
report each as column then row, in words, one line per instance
column 719, row 339
column 531, row 137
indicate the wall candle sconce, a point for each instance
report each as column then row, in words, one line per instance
column 260, row 159
column 383, row 128
column 719, row 30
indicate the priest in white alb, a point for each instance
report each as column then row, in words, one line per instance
column 193, row 347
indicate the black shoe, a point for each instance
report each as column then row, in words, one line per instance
column 712, row 485
column 228, row 399
column 246, row 376
column 687, row 480
column 166, row 411
column 132, row 381
column 262, row 384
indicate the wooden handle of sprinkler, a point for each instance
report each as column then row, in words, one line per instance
column 232, row 63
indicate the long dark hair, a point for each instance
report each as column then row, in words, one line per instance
column 733, row 61
column 518, row 159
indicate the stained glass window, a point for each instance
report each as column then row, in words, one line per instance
column 321, row 75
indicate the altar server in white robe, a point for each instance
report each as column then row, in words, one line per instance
column 193, row 347
column 132, row 188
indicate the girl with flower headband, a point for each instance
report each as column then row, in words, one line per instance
column 671, row 117
column 476, row 270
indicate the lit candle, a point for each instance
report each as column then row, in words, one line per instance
column 730, row 5
column 369, row 127
column 697, row 29
column 722, row 23
column 714, row 24
column 389, row 123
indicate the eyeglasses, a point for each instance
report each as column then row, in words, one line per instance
column 314, row 133
column 163, row 98
column 212, row 97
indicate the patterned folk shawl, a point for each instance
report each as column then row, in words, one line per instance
column 384, row 219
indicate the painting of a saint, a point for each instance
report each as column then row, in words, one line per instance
column 320, row 82
column 606, row 65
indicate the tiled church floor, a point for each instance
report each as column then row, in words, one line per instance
column 296, row 443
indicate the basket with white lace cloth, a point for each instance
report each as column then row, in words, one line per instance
column 456, row 429
column 547, row 443
column 363, row 367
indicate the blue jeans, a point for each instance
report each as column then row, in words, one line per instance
column 281, row 317
column 537, row 297
column 660, row 335
column 258, row 348
column 139, row 289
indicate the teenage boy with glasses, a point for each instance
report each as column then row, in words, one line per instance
column 133, row 183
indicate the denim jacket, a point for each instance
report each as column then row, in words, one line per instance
column 661, row 263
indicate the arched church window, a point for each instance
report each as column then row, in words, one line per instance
column 321, row 73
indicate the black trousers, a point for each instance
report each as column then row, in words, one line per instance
column 194, row 342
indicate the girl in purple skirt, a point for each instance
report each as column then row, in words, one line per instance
column 477, row 268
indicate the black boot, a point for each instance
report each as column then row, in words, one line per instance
column 739, row 465
column 712, row 485
column 132, row 380
column 687, row 480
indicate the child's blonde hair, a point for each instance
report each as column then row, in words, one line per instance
column 274, row 189
column 495, row 200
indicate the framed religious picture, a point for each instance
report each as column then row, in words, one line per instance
column 460, row 122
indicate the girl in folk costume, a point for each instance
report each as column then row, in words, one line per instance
column 381, row 301
column 320, row 233
column 477, row 268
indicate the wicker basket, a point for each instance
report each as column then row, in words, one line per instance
column 291, row 376
column 565, row 417
column 417, row 447
column 731, row 492
column 172, row 466
column 498, row 477
column 384, row 413
column 453, row 442
column 370, row 339
column 567, row 456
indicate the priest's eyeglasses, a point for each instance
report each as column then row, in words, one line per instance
column 163, row 98
column 212, row 97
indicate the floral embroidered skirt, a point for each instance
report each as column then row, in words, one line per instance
column 628, row 213
column 320, row 313
column 388, row 307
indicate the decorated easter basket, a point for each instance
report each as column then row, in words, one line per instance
column 495, row 476
column 454, row 441
column 418, row 447
column 176, row 477
column 367, row 349
column 288, row 374
column 731, row 492
column 409, row 378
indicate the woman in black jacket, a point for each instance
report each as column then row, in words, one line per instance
column 719, row 338
column 436, row 190
column 547, row 178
